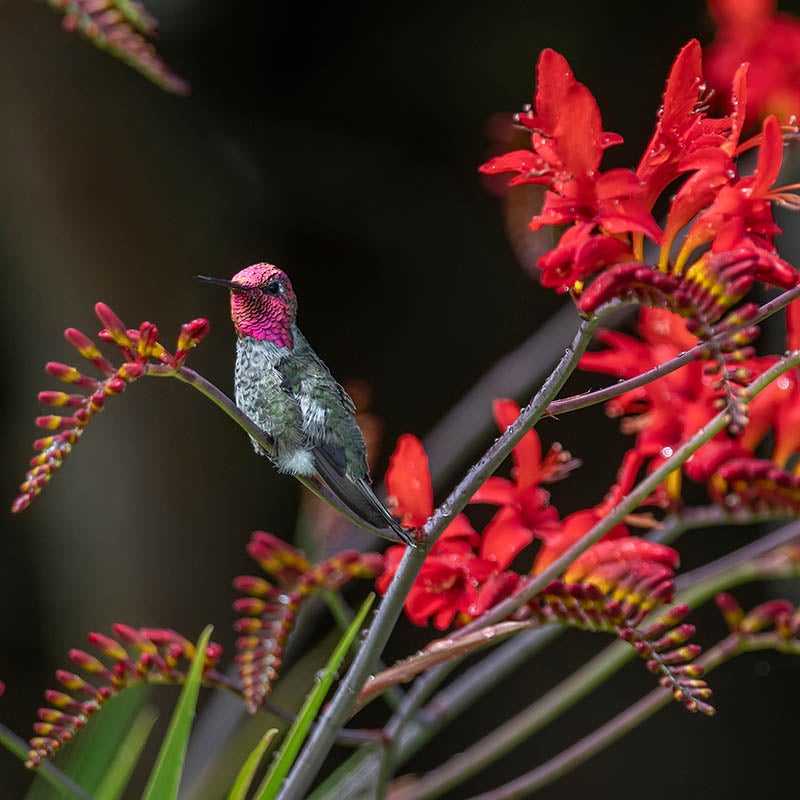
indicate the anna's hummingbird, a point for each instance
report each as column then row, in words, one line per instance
column 289, row 392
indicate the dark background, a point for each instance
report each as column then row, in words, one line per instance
column 340, row 141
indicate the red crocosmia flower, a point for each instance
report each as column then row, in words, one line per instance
column 524, row 512
column 448, row 582
column 569, row 530
column 753, row 31
column 777, row 408
column 609, row 214
column 625, row 550
column 741, row 214
column 459, row 561
column 666, row 412
column 684, row 131
column 678, row 124
column 580, row 253
column 567, row 144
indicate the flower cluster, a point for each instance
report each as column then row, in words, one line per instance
column 468, row 572
column 140, row 351
column 715, row 243
column 610, row 213
column 269, row 608
column 146, row 655
column 610, row 588
column 666, row 412
column 126, row 30
column 776, row 619
column 664, row 645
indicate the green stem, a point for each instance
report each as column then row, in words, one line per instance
column 343, row 617
column 616, row 728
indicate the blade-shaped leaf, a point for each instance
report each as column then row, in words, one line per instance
column 245, row 777
column 308, row 713
column 166, row 775
column 119, row 771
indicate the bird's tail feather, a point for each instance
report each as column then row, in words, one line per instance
column 358, row 497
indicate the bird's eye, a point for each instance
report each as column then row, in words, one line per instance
column 272, row 288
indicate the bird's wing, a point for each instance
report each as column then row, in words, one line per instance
column 327, row 411
column 357, row 495
column 340, row 453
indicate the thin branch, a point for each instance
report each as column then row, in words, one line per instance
column 469, row 422
column 675, row 525
column 783, row 365
column 624, row 722
column 580, row 401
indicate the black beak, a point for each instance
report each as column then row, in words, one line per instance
column 221, row 282
column 234, row 287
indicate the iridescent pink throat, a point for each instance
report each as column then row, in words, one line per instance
column 262, row 317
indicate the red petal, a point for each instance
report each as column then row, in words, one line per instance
column 505, row 537
column 793, row 326
column 629, row 548
column 527, row 454
column 408, row 481
column 579, row 133
column 770, row 156
column 554, row 79
column 683, row 85
column 496, row 491
column 738, row 104
column 522, row 161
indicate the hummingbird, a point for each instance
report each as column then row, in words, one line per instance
column 289, row 392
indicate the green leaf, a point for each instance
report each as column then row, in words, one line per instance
column 166, row 775
column 119, row 771
column 299, row 730
column 245, row 777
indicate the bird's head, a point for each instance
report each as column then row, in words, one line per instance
column 263, row 304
